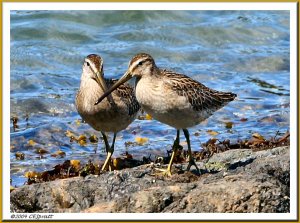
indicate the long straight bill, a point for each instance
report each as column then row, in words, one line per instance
column 122, row 80
column 102, row 83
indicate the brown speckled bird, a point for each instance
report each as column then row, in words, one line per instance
column 171, row 98
column 111, row 115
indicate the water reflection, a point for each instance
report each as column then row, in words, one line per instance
column 265, row 84
column 245, row 52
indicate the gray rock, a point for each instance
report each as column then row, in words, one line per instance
column 234, row 181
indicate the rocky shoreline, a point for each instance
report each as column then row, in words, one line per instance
column 237, row 180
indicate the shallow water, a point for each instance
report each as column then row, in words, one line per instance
column 246, row 52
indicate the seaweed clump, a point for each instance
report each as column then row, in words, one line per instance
column 73, row 168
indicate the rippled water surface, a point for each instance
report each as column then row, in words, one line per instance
column 246, row 52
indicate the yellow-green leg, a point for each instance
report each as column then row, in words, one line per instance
column 175, row 148
column 191, row 159
column 107, row 161
column 109, row 150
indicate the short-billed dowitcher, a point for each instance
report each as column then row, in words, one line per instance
column 113, row 114
column 172, row 98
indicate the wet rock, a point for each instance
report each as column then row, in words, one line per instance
column 233, row 181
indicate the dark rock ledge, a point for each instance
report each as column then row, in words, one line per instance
column 233, row 181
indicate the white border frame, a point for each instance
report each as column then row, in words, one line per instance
column 292, row 7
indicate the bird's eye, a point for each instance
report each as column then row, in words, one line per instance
column 88, row 64
column 140, row 63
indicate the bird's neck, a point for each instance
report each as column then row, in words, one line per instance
column 155, row 71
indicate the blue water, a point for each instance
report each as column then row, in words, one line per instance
column 246, row 52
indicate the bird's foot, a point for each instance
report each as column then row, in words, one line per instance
column 164, row 172
column 192, row 163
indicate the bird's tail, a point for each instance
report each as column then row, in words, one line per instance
column 227, row 96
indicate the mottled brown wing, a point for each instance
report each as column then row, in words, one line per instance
column 199, row 96
column 127, row 94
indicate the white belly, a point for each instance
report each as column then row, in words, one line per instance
column 167, row 106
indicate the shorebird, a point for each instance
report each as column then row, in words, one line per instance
column 172, row 98
column 113, row 114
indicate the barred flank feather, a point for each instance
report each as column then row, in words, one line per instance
column 199, row 96
column 126, row 94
